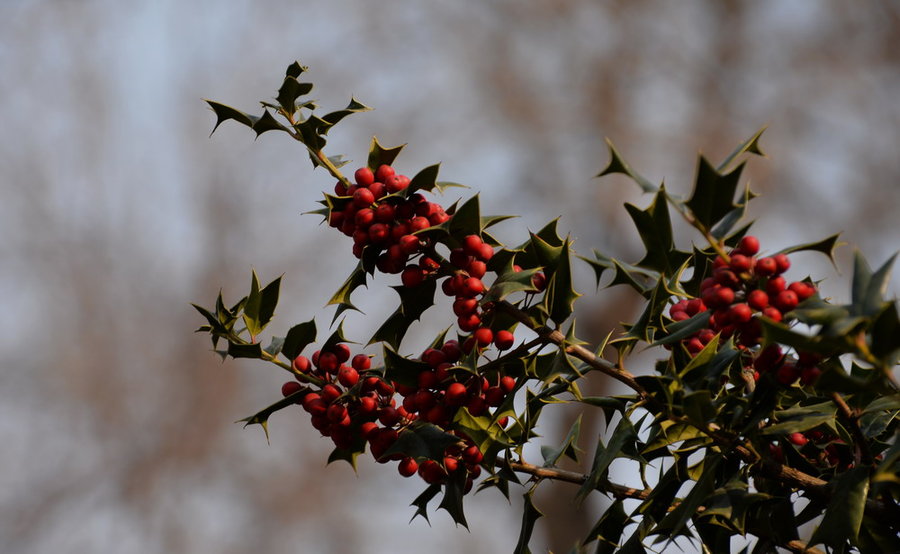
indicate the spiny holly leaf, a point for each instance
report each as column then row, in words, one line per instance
column 466, row 219
column 453, row 498
column 295, row 69
column 618, row 165
column 379, row 155
column 400, row 369
column 244, row 350
column 421, row 501
column 750, row 145
column 413, row 303
column 342, row 296
column 713, row 194
column 567, row 448
column 844, row 513
column 608, row 529
column 560, row 296
column 299, row 337
column 224, row 113
column 655, row 229
column 267, row 122
column 885, row 336
column 675, row 521
column 260, row 306
column 290, row 90
column 727, row 223
column 337, row 337
column 422, row 440
column 261, row 418
column 869, row 289
column 650, row 321
column 353, row 107
column 825, row 246
column 510, row 282
column 425, row 179
column 624, row 434
column 488, row 437
column 348, row 455
column 530, row 514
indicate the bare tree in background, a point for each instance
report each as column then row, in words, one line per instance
column 117, row 211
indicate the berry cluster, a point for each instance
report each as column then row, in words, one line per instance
column 376, row 215
column 355, row 404
column 740, row 290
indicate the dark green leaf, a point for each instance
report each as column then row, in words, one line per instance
column 608, row 529
column 421, row 501
column 655, row 229
column 844, row 514
column 260, row 306
column 713, row 194
column 624, row 435
column 825, row 246
column 685, row 328
column 453, row 498
column 425, row 179
column 885, row 336
column 348, row 455
column 422, row 440
column 675, row 521
column 298, row 338
column 342, row 296
column 568, row 446
column 236, row 350
column 267, row 123
column 413, row 303
column 224, row 113
column 353, row 107
column 261, row 418
column 530, row 514
column 750, row 145
column 618, row 165
column 400, row 369
column 379, row 155
column 290, row 90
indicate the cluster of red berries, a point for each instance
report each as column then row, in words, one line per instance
column 740, row 289
column 820, row 448
column 355, row 402
column 375, row 216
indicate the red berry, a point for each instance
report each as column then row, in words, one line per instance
column 472, row 287
column 290, row 388
column 718, row 297
column 409, row 244
column 504, row 339
column 786, row 300
column 758, row 300
column 539, row 281
column 431, row 472
column 452, row 351
column 484, row 336
column 740, row 263
column 749, row 245
column 459, row 258
column 456, row 394
column 740, row 313
column 396, row 183
column 328, row 362
column 802, row 290
column 330, row 393
column 378, row 233
column 494, row 396
column 465, row 306
column 694, row 306
column 348, row 376
column 419, row 223
column 783, row 262
column 485, row 253
column 342, row 351
column 775, row 285
column 765, row 267
column 301, row 364
column 798, row 438
column 412, row 276
column 364, row 177
column 384, row 213
column 787, row 374
column 363, row 198
column 507, row 383
column 383, row 172
column 471, row 245
column 476, row 268
column 377, row 189
column 809, row 375
column 773, row 313
column 407, row 467
column 434, row 357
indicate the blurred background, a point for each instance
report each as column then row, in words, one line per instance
column 118, row 210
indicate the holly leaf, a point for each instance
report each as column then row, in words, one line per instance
column 379, row 155
column 353, row 107
column 826, row 246
column 224, row 113
column 655, row 229
column 844, row 514
column 421, row 501
column 261, row 417
column 713, row 194
column 342, row 296
column 624, row 434
column 413, row 303
column 260, row 306
column 425, row 179
column 750, row 145
column 567, row 448
column 530, row 514
column 422, row 440
column 299, row 337
column 617, row 164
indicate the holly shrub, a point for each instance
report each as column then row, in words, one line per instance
column 764, row 391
